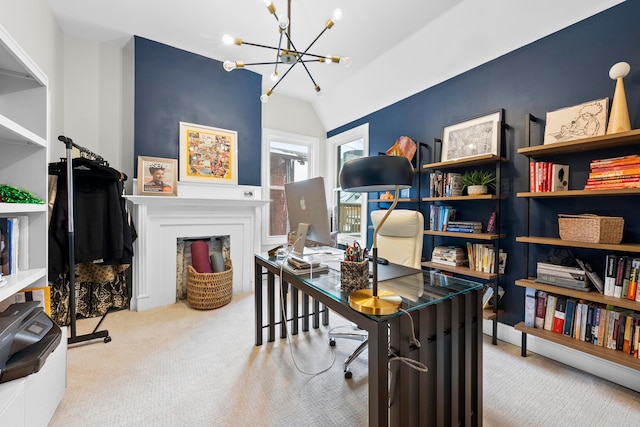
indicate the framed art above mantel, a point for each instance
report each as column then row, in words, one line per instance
column 208, row 154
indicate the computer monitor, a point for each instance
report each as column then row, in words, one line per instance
column 307, row 212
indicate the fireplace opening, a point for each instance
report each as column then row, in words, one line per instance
column 183, row 257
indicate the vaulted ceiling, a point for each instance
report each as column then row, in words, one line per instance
column 397, row 48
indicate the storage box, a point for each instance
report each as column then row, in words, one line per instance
column 591, row 228
column 354, row 275
column 209, row 290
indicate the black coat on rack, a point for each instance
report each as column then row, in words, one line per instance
column 102, row 230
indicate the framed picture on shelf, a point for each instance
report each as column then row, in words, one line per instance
column 580, row 121
column 157, row 176
column 208, row 154
column 471, row 138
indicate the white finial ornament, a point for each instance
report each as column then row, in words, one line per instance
column 619, row 117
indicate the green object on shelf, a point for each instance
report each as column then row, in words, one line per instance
column 9, row 194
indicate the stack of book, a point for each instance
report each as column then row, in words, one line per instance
column 482, row 257
column 565, row 276
column 614, row 173
column 449, row 255
column 464, row 226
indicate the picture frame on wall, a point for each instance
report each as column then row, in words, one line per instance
column 157, row 176
column 586, row 120
column 471, row 138
column 208, row 154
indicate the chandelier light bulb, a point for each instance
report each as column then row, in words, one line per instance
column 327, row 59
column 264, row 98
column 229, row 65
column 227, row 40
column 337, row 15
column 346, row 61
column 283, row 22
column 274, row 76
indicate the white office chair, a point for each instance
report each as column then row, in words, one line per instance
column 399, row 242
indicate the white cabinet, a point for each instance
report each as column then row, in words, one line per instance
column 23, row 164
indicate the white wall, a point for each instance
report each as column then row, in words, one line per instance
column 295, row 116
column 35, row 29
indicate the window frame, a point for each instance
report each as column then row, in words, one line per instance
column 273, row 135
column 358, row 132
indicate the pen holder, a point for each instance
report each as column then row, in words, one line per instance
column 354, row 275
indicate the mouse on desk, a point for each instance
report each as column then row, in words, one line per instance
column 383, row 261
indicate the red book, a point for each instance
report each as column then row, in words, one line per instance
column 532, row 177
column 558, row 317
column 614, row 161
column 617, row 167
column 616, row 173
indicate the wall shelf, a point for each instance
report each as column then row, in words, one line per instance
column 556, row 241
column 604, row 353
column 471, row 236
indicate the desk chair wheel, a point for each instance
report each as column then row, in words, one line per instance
column 107, row 339
column 332, row 342
column 347, row 374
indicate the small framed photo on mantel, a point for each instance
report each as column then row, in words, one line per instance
column 157, row 176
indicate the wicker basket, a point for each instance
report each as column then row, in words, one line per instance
column 209, row 290
column 591, row 228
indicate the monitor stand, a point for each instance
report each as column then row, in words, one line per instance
column 301, row 239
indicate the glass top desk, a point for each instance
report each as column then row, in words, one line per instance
column 447, row 319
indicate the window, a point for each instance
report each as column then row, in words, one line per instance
column 350, row 209
column 290, row 157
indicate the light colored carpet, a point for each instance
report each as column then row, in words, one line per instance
column 175, row 366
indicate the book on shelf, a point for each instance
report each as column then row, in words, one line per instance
column 615, row 161
column 627, row 171
column 491, row 295
column 530, row 307
column 569, row 317
column 491, row 222
column 550, row 311
column 589, row 322
column 559, row 177
column 559, row 315
column 610, row 274
column 541, row 306
column 617, row 287
column 593, row 277
column 633, row 279
column 4, row 253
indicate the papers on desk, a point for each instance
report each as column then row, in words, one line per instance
column 301, row 271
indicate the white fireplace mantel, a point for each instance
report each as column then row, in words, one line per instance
column 160, row 221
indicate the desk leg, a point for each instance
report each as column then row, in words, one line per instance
column 378, row 378
column 294, row 311
column 271, row 306
column 316, row 313
column 325, row 315
column 258, row 301
column 305, row 312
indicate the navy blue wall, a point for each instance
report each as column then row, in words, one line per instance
column 172, row 85
column 564, row 69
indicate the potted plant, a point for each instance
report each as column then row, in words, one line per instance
column 478, row 182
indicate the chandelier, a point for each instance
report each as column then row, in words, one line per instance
column 288, row 55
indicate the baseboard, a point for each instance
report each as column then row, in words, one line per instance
column 610, row 371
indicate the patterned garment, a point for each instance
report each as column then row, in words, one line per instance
column 93, row 299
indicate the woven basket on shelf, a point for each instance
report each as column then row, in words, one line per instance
column 591, row 228
column 209, row 290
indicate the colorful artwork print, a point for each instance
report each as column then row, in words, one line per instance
column 207, row 154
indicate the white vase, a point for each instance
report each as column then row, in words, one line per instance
column 476, row 190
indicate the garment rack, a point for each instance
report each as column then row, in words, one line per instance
column 71, row 234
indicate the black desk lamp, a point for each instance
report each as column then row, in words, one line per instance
column 369, row 174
